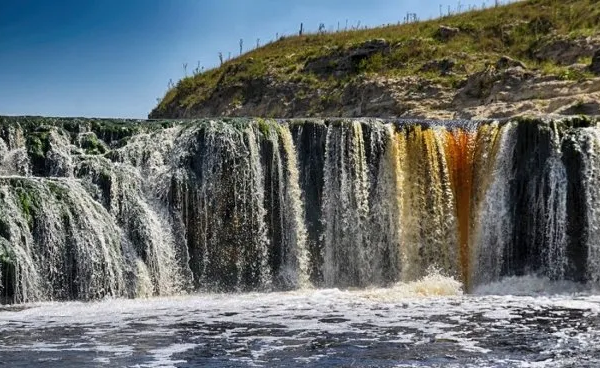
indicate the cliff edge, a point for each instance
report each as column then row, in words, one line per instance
column 535, row 57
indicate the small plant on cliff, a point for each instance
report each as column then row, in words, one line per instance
column 373, row 64
column 27, row 205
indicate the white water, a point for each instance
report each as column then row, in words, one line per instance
column 345, row 207
column 138, row 185
column 295, row 258
column 592, row 195
column 428, row 323
column 220, row 206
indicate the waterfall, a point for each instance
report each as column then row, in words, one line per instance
column 429, row 217
column 59, row 241
column 345, row 206
column 492, row 234
column 555, row 218
column 589, row 141
column 295, row 260
column 94, row 208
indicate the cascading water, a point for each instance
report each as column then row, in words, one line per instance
column 95, row 208
column 493, row 216
column 346, row 207
column 587, row 143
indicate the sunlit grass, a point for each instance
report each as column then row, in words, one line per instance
column 514, row 30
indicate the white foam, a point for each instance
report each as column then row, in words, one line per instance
column 500, row 314
column 432, row 285
column 529, row 285
column 162, row 357
column 417, row 319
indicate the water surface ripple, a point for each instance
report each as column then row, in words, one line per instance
column 330, row 327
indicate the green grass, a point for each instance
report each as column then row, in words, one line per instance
column 515, row 30
column 563, row 72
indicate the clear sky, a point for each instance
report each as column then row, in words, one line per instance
column 114, row 58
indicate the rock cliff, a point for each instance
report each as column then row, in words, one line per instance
column 529, row 57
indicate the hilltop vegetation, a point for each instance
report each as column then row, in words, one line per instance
column 528, row 56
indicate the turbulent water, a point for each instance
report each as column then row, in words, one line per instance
column 95, row 208
column 399, row 326
column 102, row 209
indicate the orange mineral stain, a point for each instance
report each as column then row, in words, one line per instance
column 459, row 156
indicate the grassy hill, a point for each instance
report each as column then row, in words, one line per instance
column 448, row 67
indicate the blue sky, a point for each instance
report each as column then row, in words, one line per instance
column 114, row 58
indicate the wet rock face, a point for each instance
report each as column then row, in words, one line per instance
column 243, row 204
